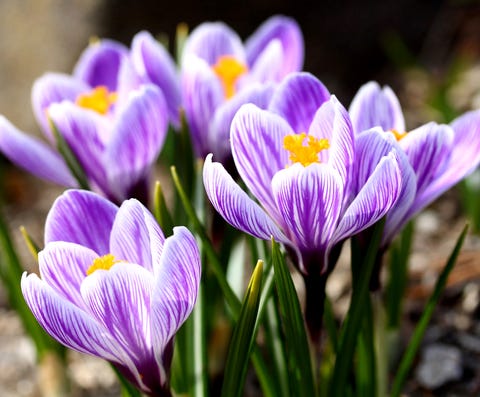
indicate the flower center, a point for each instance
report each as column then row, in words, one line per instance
column 104, row 262
column 99, row 99
column 229, row 69
column 398, row 135
column 304, row 154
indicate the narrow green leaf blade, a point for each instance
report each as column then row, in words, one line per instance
column 419, row 331
column 243, row 337
column 31, row 245
column 298, row 353
column 160, row 210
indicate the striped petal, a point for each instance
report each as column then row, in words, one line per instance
column 298, row 98
column 177, row 278
column 234, row 205
column 136, row 236
column 374, row 106
column 64, row 266
column 155, row 65
column 373, row 201
column 81, row 217
column 310, row 200
column 288, row 33
column 100, row 62
column 257, row 148
column 138, row 134
column 34, row 155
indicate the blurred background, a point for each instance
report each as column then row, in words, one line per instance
column 427, row 51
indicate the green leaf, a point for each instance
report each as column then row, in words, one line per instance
column 419, row 331
column 161, row 212
column 243, row 337
column 298, row 354
column 127, row 389
column 70, row 158
column 31, row 245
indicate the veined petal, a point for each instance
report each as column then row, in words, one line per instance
column 34, row 155
column 373, row 106
column 219, row 131
column 234, row 205
column 202, row 94
column 373, row 201
column 119, row 299
column 309, row 200
column 428, row 149
column 211, row 40
column 156, row 66
column 138, row 134
column 464, row 158
column 175, row 290
column 136, row 236
column 297, row 99
column 287, row 31
column 100, row 62
column 82, row 129
column 81, row 217
column 52, row 88
column 64, row 266
column 67, row 323
column 257, row 148
column 332, row 122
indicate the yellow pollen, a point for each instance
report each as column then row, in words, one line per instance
column 99, row 99
column 398, row 135
column 229, row 69
column 304, row 154
column 104, row 262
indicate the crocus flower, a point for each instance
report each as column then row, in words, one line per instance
column 440, row 155
column 114, row 124
column 220, row 73
column 111, row 285
column 297, row 162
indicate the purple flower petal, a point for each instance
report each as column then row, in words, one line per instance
column 156, row 66
column 309, row 200
column 81, row 217
column 373, row 201
column 64, row 266
column 211, row 40
column 34, row 155
column 269, row 65
column 287, row 31
column 136, row 236
column 373, row 106
column 257, row 148
column 67, row 323
column 202, row 94
column 84, row 130
column 297, row 99
column 53, row 88
column 219, row 131
column 100, row 62
column 137, row 137
column 234, row 205
column 177, row 278
column 332, row 122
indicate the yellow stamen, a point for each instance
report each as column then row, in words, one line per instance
column 304, row 154
column 104, row 262
column 229, row 69
column 398, row 135
column 99, row 99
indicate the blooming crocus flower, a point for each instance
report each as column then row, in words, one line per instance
column 111, row 285
column 299, row 168
column 114, row 124
column 220, row 73
column 440, row 155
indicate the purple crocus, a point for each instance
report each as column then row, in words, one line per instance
column 440, row 155
column 220, row 73
column 111, row 285
column 296, row 159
